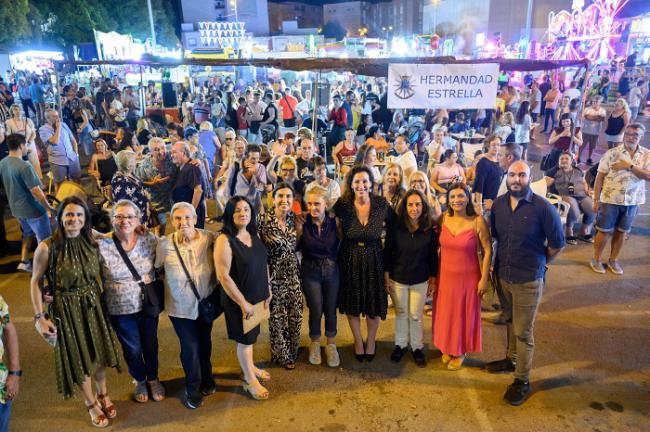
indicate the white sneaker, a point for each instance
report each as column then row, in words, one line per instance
column 332, row 354
column 314, row 353
column 25, row 267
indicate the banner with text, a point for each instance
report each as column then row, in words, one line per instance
column 454, row 86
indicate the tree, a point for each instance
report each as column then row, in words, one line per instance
column 333, row 30
column 13, row 21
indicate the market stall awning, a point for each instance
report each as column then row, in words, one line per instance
column 360, row 66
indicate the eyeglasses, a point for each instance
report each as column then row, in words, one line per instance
column 417, row 181
column 121, row 218
column 229, row 139
column 633, row 135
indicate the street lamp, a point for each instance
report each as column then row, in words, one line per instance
column 233, row 5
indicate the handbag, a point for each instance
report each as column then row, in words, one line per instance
column 152, row 294
column 210, row 308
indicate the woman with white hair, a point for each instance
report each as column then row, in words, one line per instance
column 135, row 323
column 617, row 121
column 24, row 126
column 125, row 185
column 419, row 182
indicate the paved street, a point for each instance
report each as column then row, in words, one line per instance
column 591, row 369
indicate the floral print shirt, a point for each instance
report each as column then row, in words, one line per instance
column 622, row 187
column 4, row 320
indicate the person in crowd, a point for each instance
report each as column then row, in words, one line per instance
column 136, row 331
column 126, row 186
column 345, row 152
column 37, row 92
column 363, row 130
column 318, row 242
column 361, row 216
column 198, row 154
column 376, row 139
column 158, row 174
column 62, row 151
column 447, row 172
column 249, row 178
column 209, row 142
column 564, row 138
column 506, row 127
column 465, row 259
column 126, row 140
column 619, row 190
column 70, row 259
column 411, row 268
column 228, row 151
column 397, row 125
column 569, row 182
column 367, row 156
column 304, row 165
column 23, row 125
column 635, row 98
column 10, row 366
column 419, row 182
column 288, row 173
column 242, row 120
column 339, row 120
column 523, row 128
column 288, row 105
column 271, row 114
column 488, row 173
column 277, row 229
column 438, row 145
column 254, row 114
column 392, row 188
column 332, row 188
column 117, row 110
column 551, row 100
column 142, row 132
column 592, row 124
column 201, row 111
column 470, row 173
column 25, row 97
column 26, row 199
column 240, row 259
column 617, row 121
column 535, row 101
column 460, row 124
column 186, row 108
column 186, row 253
column 529, row 235
column 82, row 126
column 624, row 85
column 172, row 133
column 189, row 181
column 405, row 157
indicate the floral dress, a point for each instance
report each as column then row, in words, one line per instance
column 286, row 304
column 131, row 188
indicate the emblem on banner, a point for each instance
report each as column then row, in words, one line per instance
column 405, row 88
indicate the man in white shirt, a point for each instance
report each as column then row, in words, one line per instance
column 117, row 110
column 619, row 190
column 635, row 97
column 572, row 92
column 406, row 158
column 535, row 100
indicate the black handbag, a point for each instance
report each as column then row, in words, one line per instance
column 152, row 294
column 210, row 308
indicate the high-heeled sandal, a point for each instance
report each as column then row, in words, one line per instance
column 257, row 392
column 99, row 421
column 109, row 410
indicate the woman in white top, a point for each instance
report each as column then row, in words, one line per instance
column 405, row 158
column 24, row 126
column 367, row 156
column 320, row 179
column 592, row 125
column 523, row 126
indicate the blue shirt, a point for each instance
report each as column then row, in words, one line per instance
column 488, row 178
column 523, row 236
column 19, row 178
column 315, row 245
column 348, row 110
column 37, row 93
column 24, row 93
column 61, row 153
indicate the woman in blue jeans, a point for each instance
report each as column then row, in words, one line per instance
column 320, row 274
column 137, row 332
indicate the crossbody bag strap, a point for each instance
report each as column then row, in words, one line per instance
column 189, row 278
column 127, row 261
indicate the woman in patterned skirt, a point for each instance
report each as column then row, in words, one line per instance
column 85, row 346
column 277, row 230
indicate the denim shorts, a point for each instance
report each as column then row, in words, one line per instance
column 612, row 216
column 60, row 172
column 39, row 226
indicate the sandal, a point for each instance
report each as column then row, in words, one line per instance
column 260, row 374
column 257, row 392
column 290, row 366
column 572, row 240
column 587, row 238
column 140, row 393
column 109, row 410
column 99, row 421
column 157, row 390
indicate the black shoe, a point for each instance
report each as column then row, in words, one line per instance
column 501, row 366
column 208, row 387
column 590, row 162
column 398, row 353
column 517, row 392
column 418, row 356
column 193, row 399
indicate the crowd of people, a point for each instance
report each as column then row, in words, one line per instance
column 395, row 220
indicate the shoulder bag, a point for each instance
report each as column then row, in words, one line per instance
column 210, row 308
column 152, row 294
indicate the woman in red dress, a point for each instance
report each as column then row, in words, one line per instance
column 463, row 278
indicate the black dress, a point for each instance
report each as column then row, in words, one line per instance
column 248, row 271
column 360, row 259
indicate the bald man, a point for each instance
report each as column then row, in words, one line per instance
column 189, row 181
column 529, row 235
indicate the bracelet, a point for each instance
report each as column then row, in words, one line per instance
column 39, row 315
column 17, row 373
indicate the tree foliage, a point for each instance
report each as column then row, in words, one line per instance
column 333, row 30
column 13, row 21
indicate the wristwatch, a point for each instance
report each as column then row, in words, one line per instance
column 17, row 373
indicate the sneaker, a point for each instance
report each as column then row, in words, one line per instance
column 398, row 353
column 501, row 366
column 615, row 267
column 193, row 400
column 332, row 355
column 208, row 387
column 517, row 392
column 314, row 353
column 597, row 266
column 418, row 357
column 25, row 266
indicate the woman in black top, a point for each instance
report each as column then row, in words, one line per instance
column 318, row 242
column 411, row 267
column 240, row 261
column 362, row 218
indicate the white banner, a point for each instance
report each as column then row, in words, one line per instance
column 454, row 86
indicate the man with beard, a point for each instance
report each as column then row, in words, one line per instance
column 529, row 235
